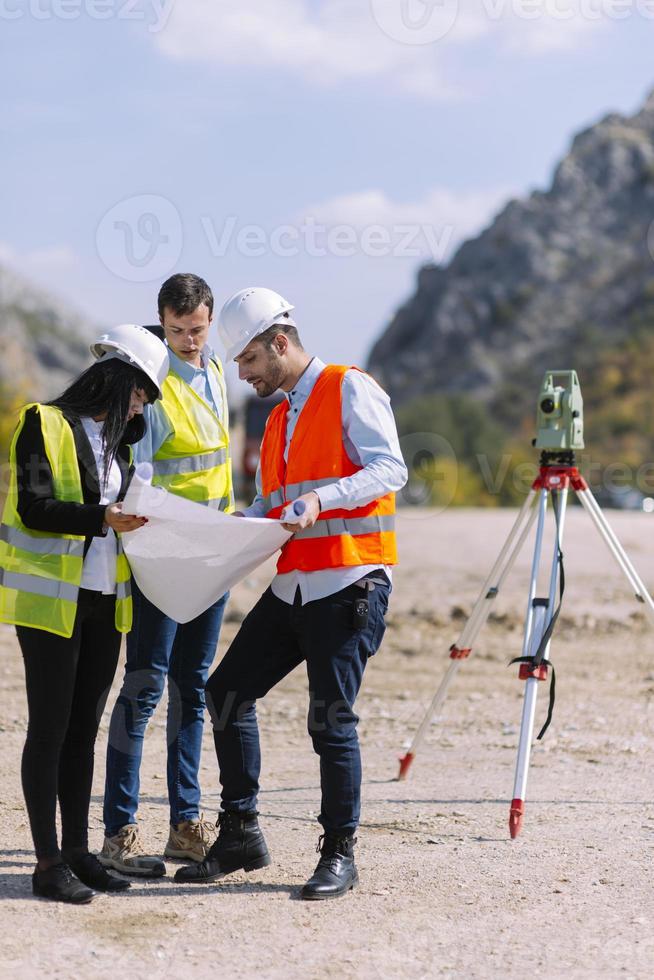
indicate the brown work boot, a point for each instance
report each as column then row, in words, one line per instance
column 124, row 852
column 191, row 840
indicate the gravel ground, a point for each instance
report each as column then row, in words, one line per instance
column 444, row 891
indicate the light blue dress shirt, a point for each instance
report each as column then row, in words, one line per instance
column 202, row 381
column 371, row 441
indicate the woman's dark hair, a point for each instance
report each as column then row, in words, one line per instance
column 107, row 386
column 183, row 293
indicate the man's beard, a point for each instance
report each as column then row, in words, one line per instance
column 273, row 379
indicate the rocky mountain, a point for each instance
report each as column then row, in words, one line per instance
column 44, row 342
column 554, row 282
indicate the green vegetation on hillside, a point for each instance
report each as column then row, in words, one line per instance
column 462, row 452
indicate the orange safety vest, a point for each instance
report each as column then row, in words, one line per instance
column 316, row 458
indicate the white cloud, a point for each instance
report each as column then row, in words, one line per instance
column 336, row 41
column 440, row 221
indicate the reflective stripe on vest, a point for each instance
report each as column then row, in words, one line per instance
column 194, row 462
column 344, row 525
column 317, row 458
column 123, row 590
column 41, row 546
column 40, row 573
column 295, row 490
column 38, row 586
column 190, row 464
column 274, row 500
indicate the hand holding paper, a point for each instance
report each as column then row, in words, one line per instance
column 188, row 555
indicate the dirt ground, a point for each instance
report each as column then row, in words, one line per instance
column 444, row 891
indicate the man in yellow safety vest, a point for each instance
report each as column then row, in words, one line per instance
column 187, row 444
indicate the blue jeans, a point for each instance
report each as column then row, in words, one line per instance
column 275, row 638
column 159, row 648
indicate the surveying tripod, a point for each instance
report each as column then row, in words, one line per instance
column 558, row 473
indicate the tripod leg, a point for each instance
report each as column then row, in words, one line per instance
column 531, row 678
column 481, row 610
column 608, row 535
column 538, row 616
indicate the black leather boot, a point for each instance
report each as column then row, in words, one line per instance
column 336, row 873
column 239, row 845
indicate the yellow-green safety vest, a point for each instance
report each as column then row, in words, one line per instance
column 40, row 572
column 194, row 461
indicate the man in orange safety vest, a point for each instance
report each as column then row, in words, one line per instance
column 330, row 466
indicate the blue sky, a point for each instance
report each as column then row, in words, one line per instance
column 325, row 149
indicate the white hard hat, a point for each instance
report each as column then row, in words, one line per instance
column 247, row 314
column 136, row 346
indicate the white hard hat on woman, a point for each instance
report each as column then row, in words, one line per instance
column 137, row 346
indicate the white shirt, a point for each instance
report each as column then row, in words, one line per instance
column 99, row 570
column 371, row 441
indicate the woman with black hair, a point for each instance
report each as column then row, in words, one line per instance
column 64, row 584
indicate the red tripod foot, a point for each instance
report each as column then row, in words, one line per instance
column 405, row 764
column 516, row 814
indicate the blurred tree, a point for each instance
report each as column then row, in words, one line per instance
column 462, row 421
column 11, row 402
column 450, row 444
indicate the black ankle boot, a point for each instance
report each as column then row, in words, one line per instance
column 239, row 845
column 60, row 884
column 336, row 873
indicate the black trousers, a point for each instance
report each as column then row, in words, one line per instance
column 67, row 682
column 273, row 640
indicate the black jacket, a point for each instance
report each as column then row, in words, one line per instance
column 37, row 506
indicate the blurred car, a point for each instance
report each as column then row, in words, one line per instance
column 621, row 498
column 255, row 414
